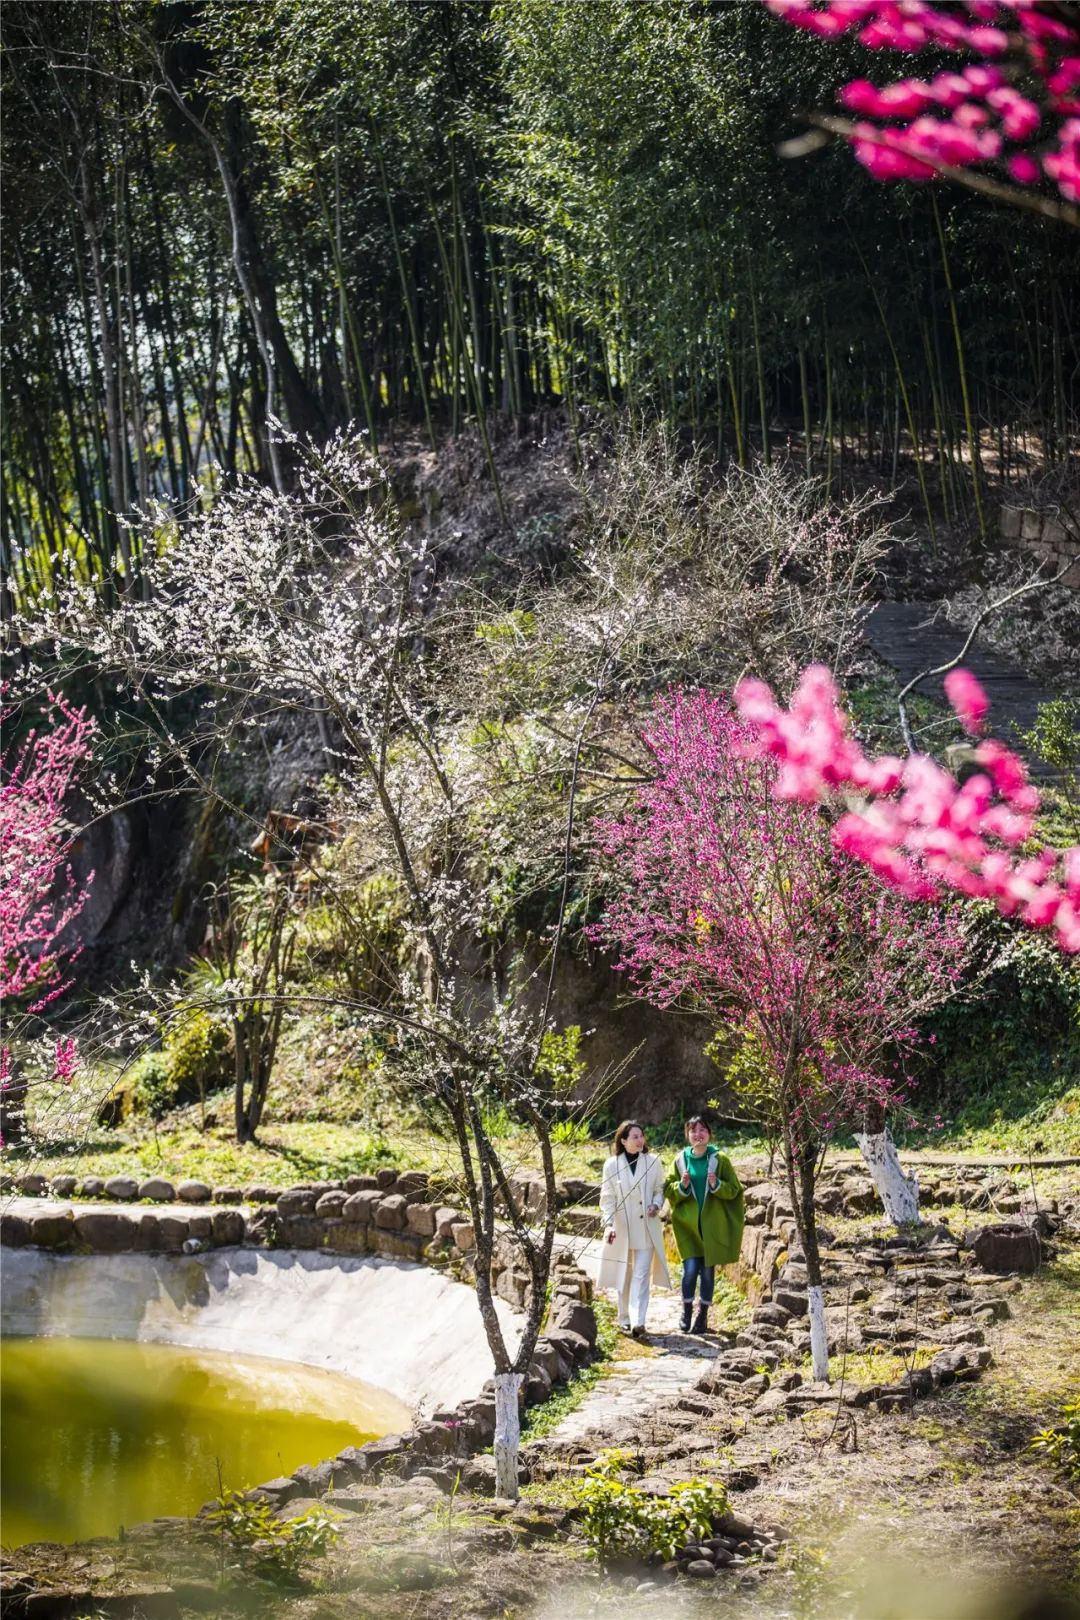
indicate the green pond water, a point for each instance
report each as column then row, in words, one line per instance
column 99, row 1433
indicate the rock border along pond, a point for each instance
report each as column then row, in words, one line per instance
column 385, row 1217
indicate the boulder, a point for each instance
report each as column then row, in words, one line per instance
column 790, row 1300
column 1008, row 1246
column 314, row 1481
column 91, row 1187
column 281, row 1490
column 574, row 1346
column 14, row 1231
column 193, row 1192
column 227, row 1195
column 445, row 1221
column 572, row 1316
column 360, row 1206
column 478, row 1475
column 300, row 1232
column 394, row 1245
column 297, row 1201
column 385, row 1178
column 157, row 1189
column 347, row 1237
column 53, row 1231
column 420, row 1218
column 228, row 1227
column 258, row 1194
column 464, row 1236
column 34, row 1186
column 124, row 1189
column 546, row 1355
column 356, row 1184
column 411, row 1181
column 64, row 1186
column 331, row 1203
column 575, row 1191
column 147, row 1232
column 390, row 1213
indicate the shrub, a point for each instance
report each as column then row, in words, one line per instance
column 618, row 1518
column 195, row 1057
column 1061, row 1446
column 268, row 1545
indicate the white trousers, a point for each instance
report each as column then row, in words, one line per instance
column 634, row 1293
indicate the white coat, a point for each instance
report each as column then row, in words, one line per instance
column 624, row 1198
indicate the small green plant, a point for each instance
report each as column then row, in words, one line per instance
column 570, row 1133
column 619, row 1519
column 1061, row 1446
column 271, row 1546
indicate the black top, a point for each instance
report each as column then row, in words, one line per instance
column 631, row 1159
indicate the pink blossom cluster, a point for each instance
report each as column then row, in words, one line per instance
column 976, row 115
column 918, row 828
column 726, row 896
column 39, row 897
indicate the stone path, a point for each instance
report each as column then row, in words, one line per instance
column 902, row 634
column 629, row 1390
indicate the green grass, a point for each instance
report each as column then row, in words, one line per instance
column 875, row 1366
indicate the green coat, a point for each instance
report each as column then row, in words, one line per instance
column 715, row 1232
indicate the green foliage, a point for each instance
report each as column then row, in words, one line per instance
column 563, row 1067
column 619, row 1519
column 195, row 1057
column 265, row 1544
column 1010, row 1047
column 1055, row 739
column 1061, row 1446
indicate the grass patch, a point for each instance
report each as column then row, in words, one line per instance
column 874, row 1366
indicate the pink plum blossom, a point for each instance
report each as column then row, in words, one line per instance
column 918, row 829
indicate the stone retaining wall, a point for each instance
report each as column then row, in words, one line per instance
column 1048, row 536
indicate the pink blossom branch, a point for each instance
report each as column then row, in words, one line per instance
column 1014, row 106
column 913, row 824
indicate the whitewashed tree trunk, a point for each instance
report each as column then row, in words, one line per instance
column 898, row 1192
column 507, row 1434
column 819, row 1335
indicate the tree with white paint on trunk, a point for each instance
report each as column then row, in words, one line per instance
column 727, row 899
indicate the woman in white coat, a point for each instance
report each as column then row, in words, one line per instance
column 632, row 1252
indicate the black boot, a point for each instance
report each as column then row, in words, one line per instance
column 687, row 1307
column 701, row 1320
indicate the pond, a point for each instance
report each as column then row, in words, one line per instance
column 100, row 1433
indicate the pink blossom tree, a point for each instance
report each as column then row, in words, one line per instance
column 733, row 900
column 1005, row 118
column 39, row 895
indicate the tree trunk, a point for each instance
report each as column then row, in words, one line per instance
column 898, row 1192
column 799, row 1163
column 507, row 1434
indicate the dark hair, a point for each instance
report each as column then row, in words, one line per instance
column 698, row 1119
column 620, row 1136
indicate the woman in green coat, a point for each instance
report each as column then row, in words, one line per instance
column 706, row 1215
